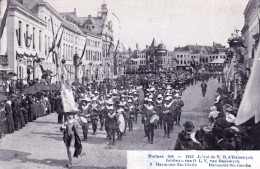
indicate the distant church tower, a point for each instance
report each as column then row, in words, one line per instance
column 104, row 11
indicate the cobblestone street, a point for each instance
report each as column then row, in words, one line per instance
column 40, row 144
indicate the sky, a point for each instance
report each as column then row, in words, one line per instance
column 172, row 22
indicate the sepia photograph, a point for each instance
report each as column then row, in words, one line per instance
column 137, row 84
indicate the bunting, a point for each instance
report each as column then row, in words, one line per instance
column 83, row 52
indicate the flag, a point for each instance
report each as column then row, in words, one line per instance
column 83, row 50
column 68, row 101
column 231, row 72
column 250, row 104
column 59, row 42
column 2, row 26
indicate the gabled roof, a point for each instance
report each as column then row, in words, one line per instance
column 72, row 27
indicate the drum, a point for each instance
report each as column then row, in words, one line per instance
column 121, row 126
column 83, row 121
column 154, row 119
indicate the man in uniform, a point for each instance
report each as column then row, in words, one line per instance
column 111, row 122
column 149, row 127
column 179, row 104
column 86, row 112
column 168, row 109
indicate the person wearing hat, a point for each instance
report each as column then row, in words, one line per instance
column 119, row 111
column 158, row 105
column 149, row 111
column 9, row 116
column 136, row 103
column 203, row 88
column 184, row 141
column 178, row 104
column 86, row 112
column 71, row 138
column 130, row 111
column 213, row 115
column 168, row 110
column 102, row 111
column 226, row 143
column 111, row 121
column 95, row 114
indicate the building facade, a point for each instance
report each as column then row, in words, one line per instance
column 36, row 31
column 250, row 30
column 197, row 54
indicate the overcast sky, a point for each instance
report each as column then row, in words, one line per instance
column 172, row 22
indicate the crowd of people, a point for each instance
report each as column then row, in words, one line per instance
column 115, row 106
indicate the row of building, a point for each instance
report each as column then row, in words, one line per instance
column 35, row 31
column 159, row 58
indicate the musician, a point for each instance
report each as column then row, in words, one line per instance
column 122, row 111
column 136, row 103
column 123, row 103
column 130, row 110
column 158, row 105
column 95, row 114
column 86, row 112
column 149, row 111
column 71, row 138
column 111, row 121
column 179, row 104
column 168, row 109
column 102, row 111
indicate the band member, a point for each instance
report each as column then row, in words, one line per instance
column 86, row 112
column 168, row 115
column 120, row 110
column 179, row 104
column 95, row 114
column 71, row 139
column 102, row 111
column 158, row 105
column 111, row 122
column 149, row 127
column 130, row 110
column 136, row 103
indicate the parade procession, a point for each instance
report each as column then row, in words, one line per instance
column 73, row 96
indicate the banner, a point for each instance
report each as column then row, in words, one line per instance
column 250, row 104
column 68, row 100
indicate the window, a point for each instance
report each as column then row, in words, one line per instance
column 33, row 39
column 181, row 61
column 46, row 44
column 19, row 34
column 40, row 40
column 49, row 44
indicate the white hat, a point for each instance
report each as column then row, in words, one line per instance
column 130, row 100
column 152, row 89
column 87, row 99
column 213, row 108
column 168, row 98
column 168, row 94
column 168, row 87
column 177, row 95
column 150, row 100
column 109, row 101
column 146, row 99
column 160, row 96
column 96, row 92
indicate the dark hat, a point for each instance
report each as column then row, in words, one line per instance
column 222, row 123
column 188, row 125
column 228, row 133
column 219, row 90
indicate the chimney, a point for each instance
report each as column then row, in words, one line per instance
column 213, row 43
column 75, row 11
column 89, row 16
column 137, row 46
